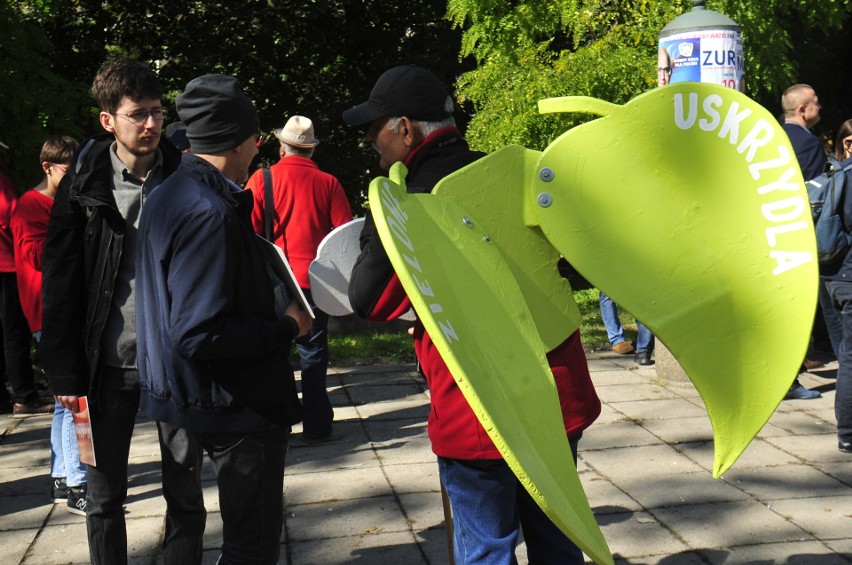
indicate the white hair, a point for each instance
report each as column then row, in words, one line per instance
column 298, row 151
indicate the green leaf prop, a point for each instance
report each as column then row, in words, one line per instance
column 685, row 205
column 467, row 298
column 688, row 208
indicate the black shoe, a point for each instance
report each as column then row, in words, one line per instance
column 59, row 489
column 845, row 446
column 77, row 500
column 643, row 358
column 20, row 410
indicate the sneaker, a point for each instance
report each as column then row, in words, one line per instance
column 21, row 410
column 623, row 348
column 59, row 489
column 798, row 392
column 77, row 500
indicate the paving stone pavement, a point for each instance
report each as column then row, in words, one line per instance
column 374, row 497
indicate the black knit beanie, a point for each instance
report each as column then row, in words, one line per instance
column 217, row 115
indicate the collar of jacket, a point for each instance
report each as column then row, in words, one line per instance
column 91, row 178
column 208, row 175
column 441, row 153
column 444, row 137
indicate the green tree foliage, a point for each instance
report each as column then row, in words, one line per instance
column 527, row 50
column 310, row 57
column 35, row 101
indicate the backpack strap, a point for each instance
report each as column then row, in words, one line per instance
column 268, row 208
column 838, row 190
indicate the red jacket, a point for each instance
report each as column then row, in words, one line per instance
column 29, row 227
column 377, row 294
column 8, row 200
column 309, row 203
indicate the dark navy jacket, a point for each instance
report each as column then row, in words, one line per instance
column 808, row 148
column 212, row 356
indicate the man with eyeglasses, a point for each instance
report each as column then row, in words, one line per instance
column 665, row 66
column 89, row 329
column 409, row 118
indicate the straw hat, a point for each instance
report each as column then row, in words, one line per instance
column 298, row 132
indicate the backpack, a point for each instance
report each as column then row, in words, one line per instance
column 825, row 193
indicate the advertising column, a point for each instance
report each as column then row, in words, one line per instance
column 701, row 46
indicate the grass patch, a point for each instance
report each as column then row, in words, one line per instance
column 592, row 329
column 380, row 346
column 386, row 344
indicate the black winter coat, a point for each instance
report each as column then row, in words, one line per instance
column 82, row 253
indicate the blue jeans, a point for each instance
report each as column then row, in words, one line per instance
column 250, row 476
column 840, row 293
column 614, row 331
column 313, row 359
column 64, row 451
column 113, row 415
column 490, row 506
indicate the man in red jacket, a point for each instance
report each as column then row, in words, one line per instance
column 307, row 204
column 409, row 119
column 15, row 334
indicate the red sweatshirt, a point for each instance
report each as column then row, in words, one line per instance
column 8, row 200
column 29, row 227
column 309, row 203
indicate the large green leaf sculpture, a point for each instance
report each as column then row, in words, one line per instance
column 685, row 205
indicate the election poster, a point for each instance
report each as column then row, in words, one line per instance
column 710, row 56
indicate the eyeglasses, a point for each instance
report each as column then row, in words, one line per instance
column 847, row 142
column 376, row 126
column 139, row 117
column 63, row 168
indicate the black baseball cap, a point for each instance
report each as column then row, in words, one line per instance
column 176, row 133
column 408, row 90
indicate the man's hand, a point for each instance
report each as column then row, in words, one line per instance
column 68, row 402
column 302, row 318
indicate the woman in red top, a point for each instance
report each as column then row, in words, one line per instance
column 29, row 228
